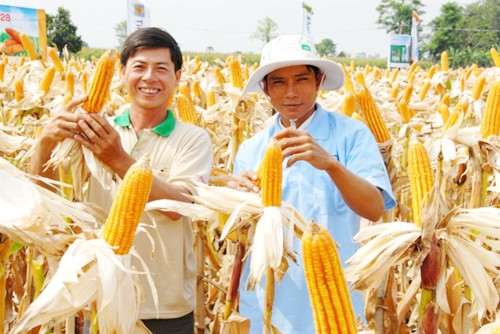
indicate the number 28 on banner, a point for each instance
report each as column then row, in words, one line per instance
column 4, row 17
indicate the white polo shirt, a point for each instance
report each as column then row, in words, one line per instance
column 179, row 152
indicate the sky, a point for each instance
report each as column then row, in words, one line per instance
column 226, row 25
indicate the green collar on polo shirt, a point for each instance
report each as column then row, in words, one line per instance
column 164, row 129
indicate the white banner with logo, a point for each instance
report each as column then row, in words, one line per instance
column 138, row 14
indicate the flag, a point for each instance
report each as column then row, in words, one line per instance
column 414, row 37
column 306, row 21
column 138, row 15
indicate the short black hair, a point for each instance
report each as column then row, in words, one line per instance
column 151, row 38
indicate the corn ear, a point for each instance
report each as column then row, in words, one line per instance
column 329, row 295
column 420, row 177
column 372, row 116
column 47, row 79
column 18, row 90
column 270, row 173
column 101, row 83
column 29, row 46
column 490, row 123
column 56, row 60
column 495, row 57
column 128, row 206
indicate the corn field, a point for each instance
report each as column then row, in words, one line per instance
column 431, row 264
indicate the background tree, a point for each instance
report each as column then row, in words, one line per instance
column 121, row 33
column 395, row 15
column 326, row 47
column 466, row 33
column 266, row 30
column 62, row 32
column 446, row 30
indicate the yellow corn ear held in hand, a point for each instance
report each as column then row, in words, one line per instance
column 101, row 83
column 128, row 206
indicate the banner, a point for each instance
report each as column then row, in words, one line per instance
column 17, row 20
column 399, row 53
column 306, row 21
column 138, row 15
column 415, row 20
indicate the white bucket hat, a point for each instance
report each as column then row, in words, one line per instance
column 289, row 50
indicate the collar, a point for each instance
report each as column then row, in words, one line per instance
column 163, row 129
column 317, row 125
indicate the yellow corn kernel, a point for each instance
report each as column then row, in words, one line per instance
column 47, row 79
column 424, row 90
column 372, row 116
column 186, row 109
column 478, row 87
column 420, row 177
column 349, row 105
column 128, row 206
column 490, row 123
column 495, row 57
column 236, row 75
column 18, row 90
column 329, row 295
column 270, row 173
column 445, row 63
column 56, row 60
column 99, row 90
column 29, row 46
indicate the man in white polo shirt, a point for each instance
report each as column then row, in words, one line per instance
column 151, row 68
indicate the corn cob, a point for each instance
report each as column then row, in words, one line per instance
column 404, row 111
column 70, row 87
column 219, row 76
column 394, row 91
column 445, row 112
column 210, row 98
column 490, row 123
column 347, row 81
column 47, row 79
column 186, row 109
column 101, row 83
column 2, row 71
column 270, row 174
column 128, row 206
column 372, row 116
column 431, row 72
column 329, row 295
column 18, row 90
column 454, row 117
column 349, row 105
column 29, row 46
column 478, row 87
column 407, row 94
column 420, row 177
column 360, row 78
column 424, row 90
column 445, row 63
column 394, row 75
column 236, row 75
column 56, row 60
column 495, row 57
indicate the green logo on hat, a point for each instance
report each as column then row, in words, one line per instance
column 306, row 47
